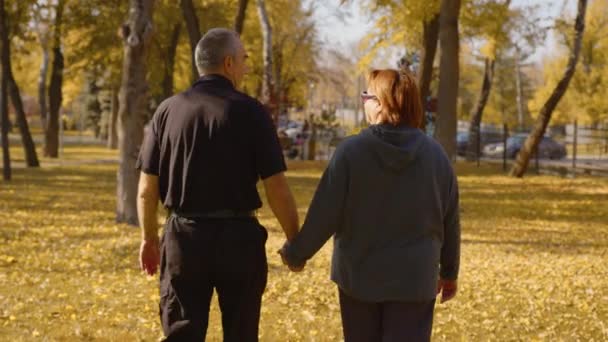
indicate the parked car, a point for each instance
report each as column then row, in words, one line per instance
column 291, row 129
column 548, row 148
column 462, row 140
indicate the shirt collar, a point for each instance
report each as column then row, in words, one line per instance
column 215, row 79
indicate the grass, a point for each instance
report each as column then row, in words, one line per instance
column 534, row 262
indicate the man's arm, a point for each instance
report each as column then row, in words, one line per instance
column 282, row 203
column 147, row 206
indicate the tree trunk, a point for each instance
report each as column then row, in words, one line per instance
column 132, row 110
column 448, row 76
column 544, row 117
column 51, row 137
column 113, row 122
column 11, row 88
column 4, row 60
column 240, row 16
column 194, row 31
column 520, row 93
column 44, row 67
column 167, row 83
column 430, row 36
column 31, row 158
column 278, row 72
column 267, row 79
column 474, row 132
column 6, row 157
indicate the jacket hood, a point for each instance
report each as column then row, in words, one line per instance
column 394, row 147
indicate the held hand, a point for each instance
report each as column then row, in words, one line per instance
column 291, row 268
column 149, row 256
column 447, row 288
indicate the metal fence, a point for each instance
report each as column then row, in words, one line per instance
column 586, row 149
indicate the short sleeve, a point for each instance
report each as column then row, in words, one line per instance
column 149, row 153
column 268, row 153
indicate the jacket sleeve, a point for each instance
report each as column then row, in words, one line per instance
column 325, row 214
column 450, row 251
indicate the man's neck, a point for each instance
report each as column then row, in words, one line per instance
column 219, row 73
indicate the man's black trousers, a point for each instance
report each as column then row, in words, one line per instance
column 200, row 255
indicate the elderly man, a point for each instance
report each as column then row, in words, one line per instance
column 202, row 157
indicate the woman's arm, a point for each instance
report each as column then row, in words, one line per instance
column 325, row 214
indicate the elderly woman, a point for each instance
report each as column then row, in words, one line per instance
column 389, row 197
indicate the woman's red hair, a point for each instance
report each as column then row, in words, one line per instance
column 398, row 93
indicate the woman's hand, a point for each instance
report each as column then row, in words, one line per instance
column 291, row 267
column 447, row 288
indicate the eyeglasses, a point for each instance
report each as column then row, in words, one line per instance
column 366, row 96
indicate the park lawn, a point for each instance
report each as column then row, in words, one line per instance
column 534, row 262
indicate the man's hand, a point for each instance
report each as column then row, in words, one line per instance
column 291, row 268
column 149, row 255
column 447, row 288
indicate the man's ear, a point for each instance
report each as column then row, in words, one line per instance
column 228, row 61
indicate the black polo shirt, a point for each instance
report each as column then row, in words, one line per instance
column 206, row 164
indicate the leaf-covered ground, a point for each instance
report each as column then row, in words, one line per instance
column 534, row 262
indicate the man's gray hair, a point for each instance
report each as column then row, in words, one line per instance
column 215, row 45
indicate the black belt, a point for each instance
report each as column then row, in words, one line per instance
column 218, row 214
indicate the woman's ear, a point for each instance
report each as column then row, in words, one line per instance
column 380, row 115
column 379, row 107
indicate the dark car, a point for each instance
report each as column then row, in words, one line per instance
column 548, row 148
column 462, row 140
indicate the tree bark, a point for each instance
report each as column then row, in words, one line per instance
column 240, row 16
column 544, row 117
column 448, row 76
column 430, row 36
column 51, row 141
column 31, row 158
column 194, row 31
column 267, row 79
column 474, row 131
column 132, row 110
column 10, row 86
column 113, row 122
column 520, row 93
column 167, row 83
column 6, row 159
column 44, row 67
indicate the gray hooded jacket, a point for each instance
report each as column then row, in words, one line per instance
column 390, row 198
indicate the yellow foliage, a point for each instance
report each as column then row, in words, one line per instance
column 533, row 261
column 585, row 97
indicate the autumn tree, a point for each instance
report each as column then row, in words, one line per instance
column 447, row 95
column 492, row 20
column 412, row 25
column 41, row 21
column 51, row 141
column 8, row 30
column 194, row 31
column 585, row 100
column 136, row 31
column 295, row 50
column 544, row 117
column 92, row 39
column 267, row 76
column 6, row 159
column 239, row 20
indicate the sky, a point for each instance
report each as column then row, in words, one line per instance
column 345, row 25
